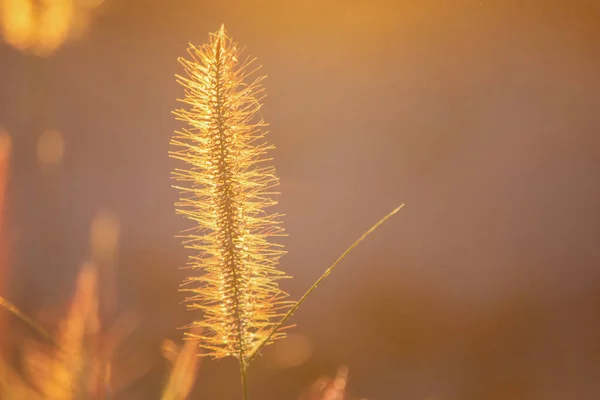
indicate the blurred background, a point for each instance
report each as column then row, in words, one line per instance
column 481, row 115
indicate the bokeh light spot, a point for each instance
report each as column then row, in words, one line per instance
column 50, row 147
column 294, row 350
column 104, row 234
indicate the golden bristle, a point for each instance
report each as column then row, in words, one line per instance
column 226, row 190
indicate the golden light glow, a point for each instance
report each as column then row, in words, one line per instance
column 42, row 26
column 226, row 190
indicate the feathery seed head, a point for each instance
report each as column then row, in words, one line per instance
column 226, row 190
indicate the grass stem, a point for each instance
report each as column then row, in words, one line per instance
column 318, row 282
column 243, row 368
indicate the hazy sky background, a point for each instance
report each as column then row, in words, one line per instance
column 482, row 116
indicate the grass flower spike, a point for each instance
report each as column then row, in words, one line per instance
column 226, row 191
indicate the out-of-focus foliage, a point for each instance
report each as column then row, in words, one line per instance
column 184, row 364
column 78, row 362
column 68, row 368
column 326, row 388
column 5, row 150
column 71, row 369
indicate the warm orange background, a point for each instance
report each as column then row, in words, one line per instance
column 482, row 116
